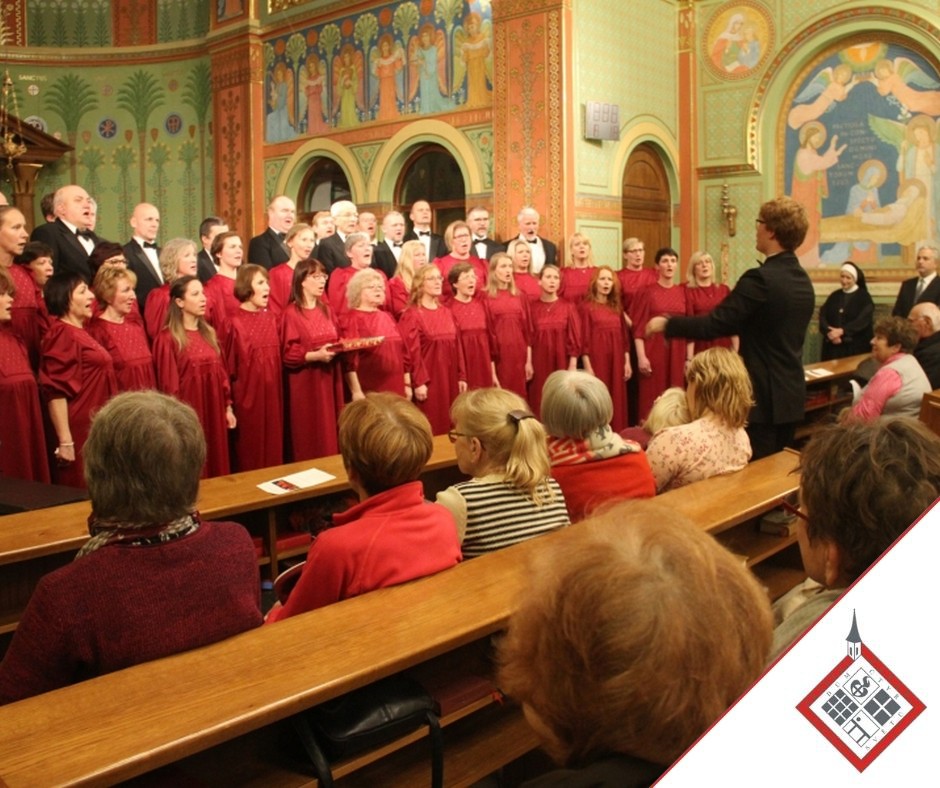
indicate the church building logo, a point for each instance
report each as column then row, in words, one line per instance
column 861, row 706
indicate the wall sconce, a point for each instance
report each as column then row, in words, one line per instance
column 728, row 211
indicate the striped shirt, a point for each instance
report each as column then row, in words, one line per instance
column 498, row 515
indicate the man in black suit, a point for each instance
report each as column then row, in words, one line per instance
column 387, row 251
column 142, row 252
column 421, row 221
column 483, row 247
column 926, row 319
column 331, row 251
column 269, row 249
column 543, row 251
column 211, row 226
column 769, row 308
column 923, row 287
column 68, row 236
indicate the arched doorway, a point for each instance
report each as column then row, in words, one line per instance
column 324, row 183
column 646, row 205
column 431, row 173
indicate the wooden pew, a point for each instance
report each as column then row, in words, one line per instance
column 930, row 410
column 826, row 391
column 37, row 542
column 228, row 695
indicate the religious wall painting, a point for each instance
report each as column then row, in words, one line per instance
column 227, row 10
column 413, row 58
column 860, row 137
column 738, row 39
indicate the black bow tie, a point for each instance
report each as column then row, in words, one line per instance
column 479, row 240
column 149, row 245
column 532, row 240
column 84, row 234
column 424, row 232
column 396, row 244
column 280, row 236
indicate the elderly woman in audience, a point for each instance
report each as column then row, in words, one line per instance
column 511, row 495
column 300, row 240
column 578, row 270
column 900, row 383
column 308, row 332
column 76, row 374
column 861, row 485
column 600, row 650
column 472, row 327
column 119, row 333
column 393, row 534
column 177, row 258
column 153, row 580
column 387, row 366
column 252, row 350
column 30, row 316
column 412, row 259
column 510, row 324
column 441, row 369
column 521, row 254
column 22, row 444
column 604, row 334
column 670, row 409
column 592, row 463
column 720, row 397
column 702, row 295
column 190, row 367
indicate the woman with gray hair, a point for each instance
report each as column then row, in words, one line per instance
column 590, row 461
column 386, row 366
column 177, row 258
column 153, row 580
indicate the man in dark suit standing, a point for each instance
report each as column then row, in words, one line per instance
column 68, row 236
column 483, row 246
column 142, row 252
column 769, row 308
column 421, row 222
column 269, row 249
column 211, row 226
column 925, row 287
column 388, row 250
column 543, row 251
column 331, row 251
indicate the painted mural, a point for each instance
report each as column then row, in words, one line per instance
column 412, row 58
column 738, row 39
column 862, row 153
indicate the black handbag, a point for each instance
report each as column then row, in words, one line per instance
column 366, row 719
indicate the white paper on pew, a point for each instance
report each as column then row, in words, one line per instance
column 816, row 373
column 296, row 481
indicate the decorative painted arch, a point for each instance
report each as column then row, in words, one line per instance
column 798, row 52
column 295, row 168
column 394, row 153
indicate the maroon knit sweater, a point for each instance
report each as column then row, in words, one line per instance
column 122, row 605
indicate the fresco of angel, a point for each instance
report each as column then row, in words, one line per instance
column 386, row 70
column 918, row 153
column 314, row 98
column 473, row 58
column 828, row 86
column 280, row 122
column 348, row 97
column 427, row 57
column 896, row 78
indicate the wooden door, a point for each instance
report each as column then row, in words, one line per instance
column 646, row 206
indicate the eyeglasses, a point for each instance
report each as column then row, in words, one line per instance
column 794, row 510
column 760, row 221
column 453, row 435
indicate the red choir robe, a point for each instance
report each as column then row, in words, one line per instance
column 556, row 337
column 474, row 336
column 510, row 337
column 22, row 437
column 130, row 351
column 604, row 338
column 666, row 356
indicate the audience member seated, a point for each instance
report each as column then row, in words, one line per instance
column 926, row 319
column 861, row 485
column 592, row 463
column 153, row 580
column 393, row 535
column 899, row 385
column 512, row 496
column 636, row 634
column 720, row 397
column 670, row 409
